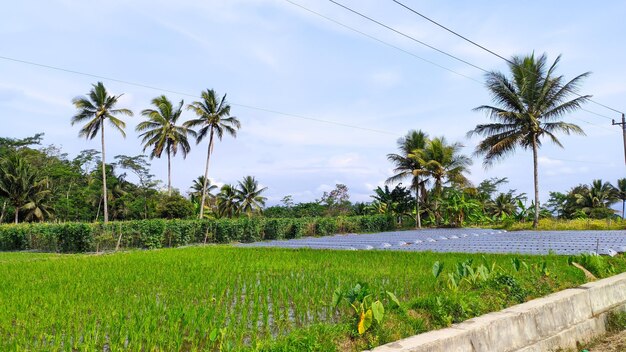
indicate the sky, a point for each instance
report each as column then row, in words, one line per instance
column 287, row 70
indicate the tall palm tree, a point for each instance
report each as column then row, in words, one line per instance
column 160, row 132
column 213, row 119
column 250, row 196
column 528, row 107
column 443, row 162
column 228, row 201
column 94, row 109
column 621, row 193
column 406, row 166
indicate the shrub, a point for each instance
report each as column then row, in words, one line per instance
column 158, row 233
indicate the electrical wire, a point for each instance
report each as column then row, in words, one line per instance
column 285, row 114
column 382, row 41
column 407, row 36
column 490, row 51
column 409, row 53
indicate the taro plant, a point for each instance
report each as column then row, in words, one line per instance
column 367, row 310
column 466, row 272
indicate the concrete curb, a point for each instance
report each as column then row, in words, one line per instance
column 557, row 321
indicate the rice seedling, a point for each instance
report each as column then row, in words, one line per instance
column 228, row 298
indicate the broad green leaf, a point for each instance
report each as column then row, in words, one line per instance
column 378, row 311
column 213, row 335
column 393, row 299
column 337, row 296
column 437, row 269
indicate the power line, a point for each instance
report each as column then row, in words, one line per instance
column 382, row 41
column 408, row 52
column 406, row 35
column 485, row 49
column 285, row 114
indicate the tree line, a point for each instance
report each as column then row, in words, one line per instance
column 38, row 184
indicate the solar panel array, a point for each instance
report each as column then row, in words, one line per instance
column 468, row 241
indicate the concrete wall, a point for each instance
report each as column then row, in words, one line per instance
column 545, row 324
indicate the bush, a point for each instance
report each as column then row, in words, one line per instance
column 158, row 233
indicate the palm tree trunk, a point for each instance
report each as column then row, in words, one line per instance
column 4, row 208
column 169, row 174
column 418, row 218
column 536, row 179
column 206, row 174
column 104, row 176
column 623, row 206
column 17, row 214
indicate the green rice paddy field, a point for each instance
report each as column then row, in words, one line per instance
column 226, row 298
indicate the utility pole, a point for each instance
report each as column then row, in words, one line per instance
column 623, row 123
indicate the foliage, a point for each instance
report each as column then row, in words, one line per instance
column 160, row 132
column 196, row 298
column 596, row 264
column 93, row 110
column 159, row 233
column 213, row 119
column 568, row 225
column 528, row 106
column 174, row 207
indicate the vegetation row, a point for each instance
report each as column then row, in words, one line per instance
column 159, row 233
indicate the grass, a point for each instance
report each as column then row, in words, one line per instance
column 212, row 297
column 564, row 225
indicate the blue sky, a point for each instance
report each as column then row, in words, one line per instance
column 273, row 55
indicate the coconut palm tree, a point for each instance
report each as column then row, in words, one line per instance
column 443, row 163
column 160, row 133
column 19, row 184
column 213, row 120
column 621, row 193
column 228, row 201
column 94, row 109
column 249, row 194
column 406, row 166
column 196, row 189
column 38, row 205
column 598, row 195
column 528, row 108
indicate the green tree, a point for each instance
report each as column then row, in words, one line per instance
column 596, row 199
column 141, row 168
column 174, row 206
column 228, row 201
column 94, row 109
column 528, row 107
column 249, row 194
column 195, row 193
column 337, row 201
column 405, row 166
column 160, row 133
column 19, row 183
column 213, row 120
column 443, row 162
